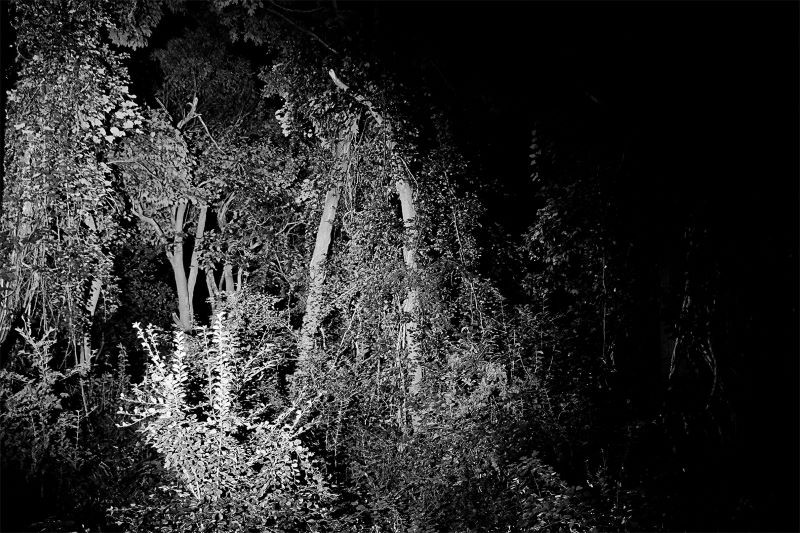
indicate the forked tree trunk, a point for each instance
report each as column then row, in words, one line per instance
column 226, row 282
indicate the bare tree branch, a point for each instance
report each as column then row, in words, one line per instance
column 360, row 99
column 295, row 10
column 304, row 30
column 190, row 115
column 145, row 218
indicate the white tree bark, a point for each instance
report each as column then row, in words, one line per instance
column 194, row 267
column 230, row 286
column 91, row 308
column 183, row 319
column 313, row 313
column 410, row 305
column 408, row 333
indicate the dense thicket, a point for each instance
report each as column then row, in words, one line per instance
column 252, row 282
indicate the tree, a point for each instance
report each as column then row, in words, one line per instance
column 164, row 193
column 70, row 106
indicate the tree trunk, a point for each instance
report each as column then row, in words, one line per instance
column 184, row 317
column 410, row 305
column 194, row 267
column 408, row 334
column 212, row 290
column 91, row 308
column 313, row 313
column 230, row 286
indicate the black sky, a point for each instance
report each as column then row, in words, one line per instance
column 692, row 83
column 698, row 99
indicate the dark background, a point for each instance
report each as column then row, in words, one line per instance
column 699, row 102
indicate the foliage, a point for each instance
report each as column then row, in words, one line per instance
column 235, row 468
column 59, row 430
column 36, row 430
column 196, row 65
column 158, row 174
column 70, row 106
column 261, row 212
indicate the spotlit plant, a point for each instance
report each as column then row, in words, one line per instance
column 234, row 467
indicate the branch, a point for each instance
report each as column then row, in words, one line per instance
column 145, row 218
column 304, row 30
column 164, row 108
column 159, row 231
column 288, row 226
column 223, row 211
column 190, row 115
column 120, row 161
column 360, row 99
column 203, row 122
column 193, row 114
column 295, row 10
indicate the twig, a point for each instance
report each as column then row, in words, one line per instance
column 120, row 161
column 193, row 114
column 295, row 10
column 203, row 122
column 164, row 108
column 304, row 30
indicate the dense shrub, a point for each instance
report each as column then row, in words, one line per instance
column 237, row 464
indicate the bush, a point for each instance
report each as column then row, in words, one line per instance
column 234, row 466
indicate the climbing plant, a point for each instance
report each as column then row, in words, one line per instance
column 70, row 107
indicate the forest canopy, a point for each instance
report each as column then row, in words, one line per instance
column 289, row 266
